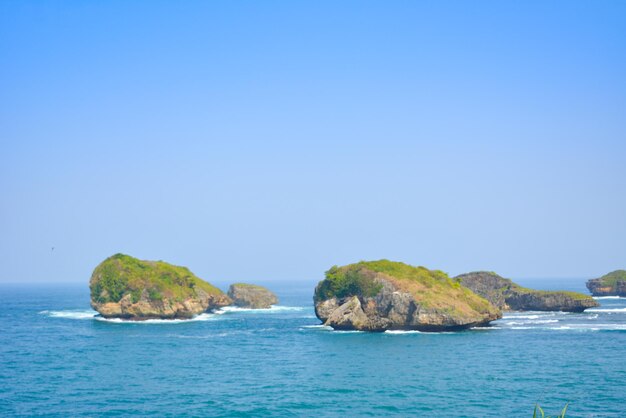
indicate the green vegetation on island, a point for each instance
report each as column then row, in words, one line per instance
column 611, row 284
column 508, row 295
column 121, row 274
column 429, row 287
column 126, row 287
column 386, row 294
column 248, row 285
column 252, row 296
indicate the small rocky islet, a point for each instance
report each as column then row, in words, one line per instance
column 128, row 288
column 252, row 296
column 611, row 284
column 509, row 296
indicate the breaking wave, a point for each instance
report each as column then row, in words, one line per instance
column 71, row 314
column 541, row 321
column 89, row 314
column 273, row 309
column 316, row 327
column 607, row 310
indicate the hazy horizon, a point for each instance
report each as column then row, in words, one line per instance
column 270, row 141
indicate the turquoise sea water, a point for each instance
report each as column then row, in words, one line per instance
column 58, row 359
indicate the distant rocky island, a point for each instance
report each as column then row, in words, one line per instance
column 611, row 284
column 252, row 296
column 126, row 287
column 386, row 295
column 367, row 296
column 509, row 296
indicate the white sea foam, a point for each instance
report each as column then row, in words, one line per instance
column 607, row 310
column 536, row 315
column 608, row 297
column 592, row 327
column 520, row 317
column 401, row 332
column 71, row 314
column 540, row 321
column 201, row 317
column 93, row 315
column 320, row 327
column 486, row 328
column 577, row 327
column 272, row 309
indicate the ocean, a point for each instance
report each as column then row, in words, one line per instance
column 58, row 359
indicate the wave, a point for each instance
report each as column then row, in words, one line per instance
column 327, row 328
column 90, row 314
column 272, row 309
column 577, row 327
column 71, row 314
column 608, row 297
column 320, row 327
column 607, row 310
column 197, row 318
column 536, row 314
column 541, row 321
column 401, row 332
column 594, row 327
column 520, row 317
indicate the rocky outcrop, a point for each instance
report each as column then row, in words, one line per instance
column 251, row 296
column 125, row 287
column 611, row 284
column 507, row 295
column 385, row 295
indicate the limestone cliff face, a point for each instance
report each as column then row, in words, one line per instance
column 507, row 295
column 384, row 295
column 611, row 284
column 125, row 287
column 251, row 296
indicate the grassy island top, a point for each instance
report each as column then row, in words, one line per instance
column 613, row 277
column 121, row 274
column 511, row 286
column 431, row 288
column 248, row 285
column 568, row 293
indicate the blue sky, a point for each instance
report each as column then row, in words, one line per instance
column 271, row 140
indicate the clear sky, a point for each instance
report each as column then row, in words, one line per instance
column 270, row 140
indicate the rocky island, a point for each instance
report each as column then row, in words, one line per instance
column 386, row 295
column 507, row 295
column 125, row 287
column 251, row 296
column 611, row 284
